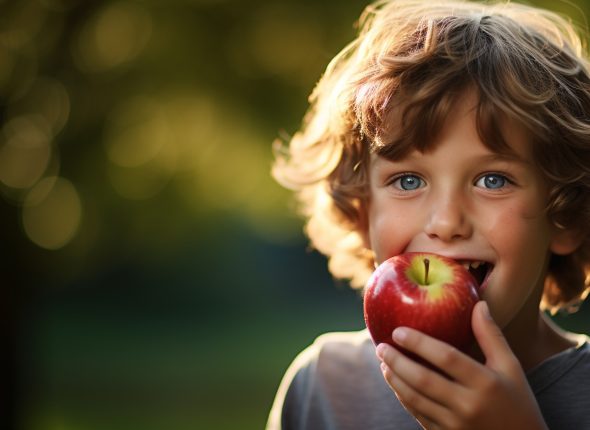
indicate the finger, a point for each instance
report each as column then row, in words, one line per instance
column 491, row 340
column 421, row 407
column 427, row 382
column 443, row 356
column 426, row 423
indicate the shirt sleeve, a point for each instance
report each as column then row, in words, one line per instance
column 291, row 404
column 336, row 383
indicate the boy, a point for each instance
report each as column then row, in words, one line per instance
column 461, row 129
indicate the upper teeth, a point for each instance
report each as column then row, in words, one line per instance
column 472, row 264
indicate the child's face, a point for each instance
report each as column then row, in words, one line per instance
column 464, row 201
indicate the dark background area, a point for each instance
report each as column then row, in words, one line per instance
column 153, row 274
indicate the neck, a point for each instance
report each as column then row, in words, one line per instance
column 533, row 337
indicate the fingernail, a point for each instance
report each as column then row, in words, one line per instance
column 383, row 367
column 380, row 350
column 400, row 334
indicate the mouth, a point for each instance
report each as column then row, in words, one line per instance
column 480, row 270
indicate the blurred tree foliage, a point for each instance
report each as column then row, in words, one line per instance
column 135, row 152
column 119, row 117
column 154, row 276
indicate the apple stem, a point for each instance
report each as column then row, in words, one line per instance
column 426, row 267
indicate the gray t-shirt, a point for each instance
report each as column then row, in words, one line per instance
column 337, row 384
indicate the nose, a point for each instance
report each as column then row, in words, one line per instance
column 448, row 220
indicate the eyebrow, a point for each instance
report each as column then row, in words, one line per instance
column 510, row 157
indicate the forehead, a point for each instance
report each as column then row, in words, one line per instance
column 421, row 128
column 502, row 135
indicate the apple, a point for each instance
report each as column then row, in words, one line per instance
column 428, row 292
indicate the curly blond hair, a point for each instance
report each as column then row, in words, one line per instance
column 525, row 63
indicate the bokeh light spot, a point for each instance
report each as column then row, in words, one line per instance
column 20, row 23
column 145, row 181
column 116, row 35
column 52, row 213
column 6, row 66
column 136, row 132
column 25, row 152
column 195, row 127
column 48, row 98
column 285, row 40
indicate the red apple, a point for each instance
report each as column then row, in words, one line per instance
column 427, row 292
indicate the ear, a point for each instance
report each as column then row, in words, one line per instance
column 565, row 241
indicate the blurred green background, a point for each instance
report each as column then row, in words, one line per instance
column 153, row 274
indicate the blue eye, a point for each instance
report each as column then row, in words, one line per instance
column 492, row 181
column 408, row 182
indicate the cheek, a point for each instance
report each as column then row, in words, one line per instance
column 390, row 232
column 521, row 242
column 521, row 226
column 518, row 221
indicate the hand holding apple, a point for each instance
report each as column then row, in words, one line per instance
column 428, row 292
column 472, row 394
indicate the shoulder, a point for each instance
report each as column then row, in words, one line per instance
column 327, row 375
column 346, row 348
column 562, row 387
column 563, row 367
column 332, row 355
column 579, row 357
column 334, row 352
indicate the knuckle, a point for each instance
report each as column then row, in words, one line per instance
column 455, row 425
column 471, row 410
column 451, row 421
column 513, row 366
column 448, row 356
column 491, row 386
column 412, row 400
column 474, row 411
column 423, row 380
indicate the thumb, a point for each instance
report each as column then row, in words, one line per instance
column 490, row 338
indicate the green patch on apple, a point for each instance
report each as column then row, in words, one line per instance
column 430, row 274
